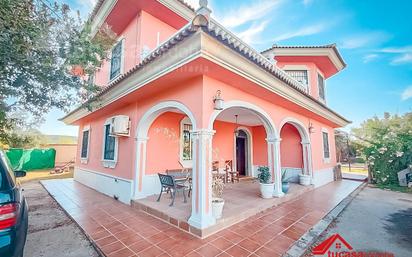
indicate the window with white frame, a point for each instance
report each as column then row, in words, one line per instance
column 109, row 144
column 85, row 143
column 326, row 152
column 116, row 60
column 299, row 75
column 186, row 145
column 321, row 86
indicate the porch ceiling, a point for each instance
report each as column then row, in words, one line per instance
column 245, row 117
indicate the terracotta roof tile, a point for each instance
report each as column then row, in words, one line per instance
column 226, row 37
column 331, row 46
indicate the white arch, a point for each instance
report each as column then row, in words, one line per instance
column 305, row 141
column 155, row 111
column 142, row 136
column 272, row 139
column 304, row 134
column 269, row 125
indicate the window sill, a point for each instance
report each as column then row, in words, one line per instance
column 326, row 160
column 320, row 99
column 114, row 78
column 186, row 164
column 84, row 160
column 111, row 164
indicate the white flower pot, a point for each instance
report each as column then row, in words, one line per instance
column 266, row 190
column 304, row 180
column 217, row 207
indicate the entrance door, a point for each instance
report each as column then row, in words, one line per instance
column 241, row 155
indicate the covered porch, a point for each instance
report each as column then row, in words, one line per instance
column 239, row 138
column 242, row 201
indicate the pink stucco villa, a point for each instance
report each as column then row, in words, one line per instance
column 181, row 91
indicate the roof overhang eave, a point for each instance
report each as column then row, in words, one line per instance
column 203, row 44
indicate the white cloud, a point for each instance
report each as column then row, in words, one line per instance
column 87, row 4
column 397, row 50
column 407, row 93
column 400, row 55
column 193, row 3
column 369, row 58
column 365, row 39
column 402, row 59
column 250, row 35
column 305, row 31
column 248, row 13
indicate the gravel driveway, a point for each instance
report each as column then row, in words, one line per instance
column 51, row 232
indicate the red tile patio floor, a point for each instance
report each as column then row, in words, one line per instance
column 118, row 230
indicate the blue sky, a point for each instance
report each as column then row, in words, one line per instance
column 374, row 38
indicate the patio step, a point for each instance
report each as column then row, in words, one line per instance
column 233, row 212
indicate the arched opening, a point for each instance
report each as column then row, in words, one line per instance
column 246, row 136
column 163, row 143
column 294, row 150
column 232, row 141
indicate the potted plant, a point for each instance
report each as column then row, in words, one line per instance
column 217, row 201
column 266, row 185
column 285, row 182
column 304, row 179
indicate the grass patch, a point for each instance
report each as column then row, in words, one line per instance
column 395, row 187
column 356, row 170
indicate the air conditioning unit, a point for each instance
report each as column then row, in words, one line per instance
column 120, row 126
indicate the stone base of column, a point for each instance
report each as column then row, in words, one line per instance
column 201, row 222
column 278, row 194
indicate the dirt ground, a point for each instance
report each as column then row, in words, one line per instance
column 51, row 233
column 43, row 174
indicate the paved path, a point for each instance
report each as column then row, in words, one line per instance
column 51, row 232
column 122, row 231
column 376, row 220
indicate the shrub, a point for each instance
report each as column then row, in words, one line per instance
column 386, row 145
column 264, row 175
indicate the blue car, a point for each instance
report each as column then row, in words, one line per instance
column 13, row 211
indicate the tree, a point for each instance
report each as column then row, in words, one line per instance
column 40, row 47
column 386, row 144
column 345, row 149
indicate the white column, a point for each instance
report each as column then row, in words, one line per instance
column 141, row 144
column 307, row 151
column 275, row 165
column 305, row 170
column 201, row 216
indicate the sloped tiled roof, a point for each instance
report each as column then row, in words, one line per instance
column 224, row 36
column 331, row 46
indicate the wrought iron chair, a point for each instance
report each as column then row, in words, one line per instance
column 231, row 175
column 168, row 184
column 182, row 177
column 216, row 172
column 215, row 166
